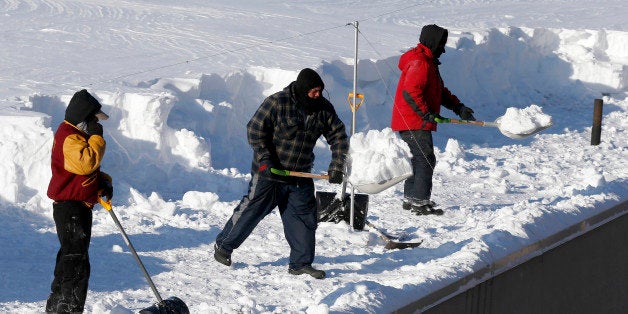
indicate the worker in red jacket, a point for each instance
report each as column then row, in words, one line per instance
column 76, row 183
column 418, row 99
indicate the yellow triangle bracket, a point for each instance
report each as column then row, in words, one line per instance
column 354, row 106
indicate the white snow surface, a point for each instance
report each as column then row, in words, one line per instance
column 181, row 80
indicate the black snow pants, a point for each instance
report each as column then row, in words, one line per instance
column 73, row 220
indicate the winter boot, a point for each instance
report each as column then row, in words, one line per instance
column 221, row 256
column 406, row 205
column 425, row 207
column 316, row 273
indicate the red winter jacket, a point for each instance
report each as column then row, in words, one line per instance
column 420, row 80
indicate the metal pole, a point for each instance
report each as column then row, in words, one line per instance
column 596, row 131
column 355, row 77
column 353, row 110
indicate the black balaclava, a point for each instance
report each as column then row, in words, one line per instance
column 306, row 80
column 82, row 107
column 434, row 37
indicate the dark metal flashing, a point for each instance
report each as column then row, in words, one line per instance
column 504, row 264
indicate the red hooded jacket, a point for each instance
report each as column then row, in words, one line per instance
column 421, row 81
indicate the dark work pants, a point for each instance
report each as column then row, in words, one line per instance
column 74, row 229
column 297, row 207
column 418, row 187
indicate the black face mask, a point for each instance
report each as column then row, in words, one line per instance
column 309, row 105
column 438, row 52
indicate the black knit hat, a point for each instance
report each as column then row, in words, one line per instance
column 308, row 79
column 82, row 106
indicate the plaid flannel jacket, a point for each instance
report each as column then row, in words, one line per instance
column 281, row 132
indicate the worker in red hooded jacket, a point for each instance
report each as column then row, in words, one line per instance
column 418, row 99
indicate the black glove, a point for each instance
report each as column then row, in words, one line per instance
column 264, row 167
column 335, row 176
column 466, row 113
column 431, row 117
column 94, row 128
column 106, row 189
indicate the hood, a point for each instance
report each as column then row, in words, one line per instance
column 308, row 79
column 82, row 107
column 433, row 37
column 416, row 53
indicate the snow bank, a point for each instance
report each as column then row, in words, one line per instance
column 25, row 145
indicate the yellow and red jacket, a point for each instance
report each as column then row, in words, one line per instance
column 76, row 159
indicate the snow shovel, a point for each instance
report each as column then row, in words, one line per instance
column 331, row 208
column 368, row 188
column 390, row 243
column 495, row 124
column 172, row 305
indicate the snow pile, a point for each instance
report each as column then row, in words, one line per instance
column 524, row 121
column 452, row 160
column 378, row 156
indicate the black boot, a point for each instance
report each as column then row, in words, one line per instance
column 316, row 273
column 221, row 256
column 427, row 209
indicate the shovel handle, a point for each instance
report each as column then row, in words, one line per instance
column 107, row 205
column 458, row 121
column 288, row 173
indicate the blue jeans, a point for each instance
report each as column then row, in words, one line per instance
column 297, row 207
column 418, row 187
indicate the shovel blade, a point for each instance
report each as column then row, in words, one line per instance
column 172, row 305
column 392, row 245
column 332, row 209
column 376, row 187
column 519, row 136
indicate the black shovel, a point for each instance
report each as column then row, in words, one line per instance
column 172, row 305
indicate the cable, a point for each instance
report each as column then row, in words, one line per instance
column 392, row 98
column 247, row 47
column 218, row 54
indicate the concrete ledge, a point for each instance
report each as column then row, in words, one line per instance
column 537, row 249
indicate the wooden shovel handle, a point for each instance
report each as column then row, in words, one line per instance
column 308, row 175
column 478, row 123
column 458, row 121
column 299, row 174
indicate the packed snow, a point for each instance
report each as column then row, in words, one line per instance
column 180, row 82
column 524, row 121
column 377, row 156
